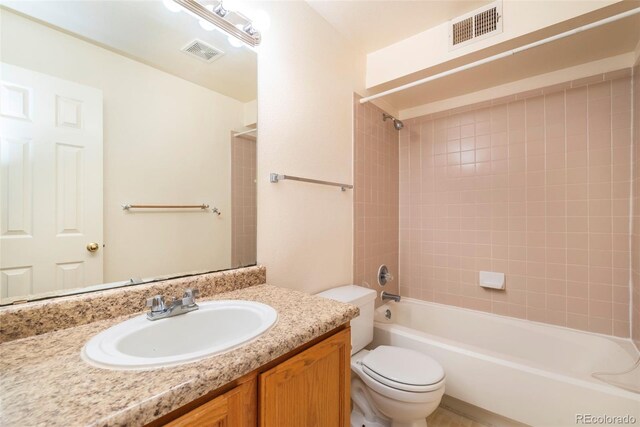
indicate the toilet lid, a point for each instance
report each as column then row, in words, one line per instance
column 402, row 368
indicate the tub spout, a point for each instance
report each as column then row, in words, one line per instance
column 386, row 295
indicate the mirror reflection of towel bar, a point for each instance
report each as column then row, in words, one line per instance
column 202, row 206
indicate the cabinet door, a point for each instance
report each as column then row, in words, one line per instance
column 235, row 408
column 311, row 389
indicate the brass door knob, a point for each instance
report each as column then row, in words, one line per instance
column 93, row 247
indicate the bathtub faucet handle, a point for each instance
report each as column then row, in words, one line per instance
column 384, row 275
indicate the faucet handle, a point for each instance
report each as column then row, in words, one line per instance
column 189, row 297
column 156, row 303
column 384, row 275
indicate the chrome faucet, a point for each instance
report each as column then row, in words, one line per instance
column 160, row 310
column 386, row 295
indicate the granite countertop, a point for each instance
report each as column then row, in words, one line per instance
column 44, row 381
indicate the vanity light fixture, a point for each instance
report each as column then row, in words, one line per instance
column 220, row 10
column 238, row 26
column 260, row 20
column 206, row 25
column 249, row 29
column 234, row 41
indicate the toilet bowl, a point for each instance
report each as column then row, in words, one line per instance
column 401, row 387
column 390, row 386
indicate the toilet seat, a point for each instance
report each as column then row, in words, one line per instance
column 396, row 394
column 403, row 369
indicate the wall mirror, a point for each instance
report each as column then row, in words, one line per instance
column 128, row 147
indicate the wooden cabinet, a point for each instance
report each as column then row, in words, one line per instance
column 310, row 389
column 235, row 408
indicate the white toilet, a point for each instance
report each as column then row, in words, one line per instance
column 392, row 386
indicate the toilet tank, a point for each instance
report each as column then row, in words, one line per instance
column 361, row 326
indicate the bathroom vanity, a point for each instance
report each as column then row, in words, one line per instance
column 296, row 371
column 306, row 384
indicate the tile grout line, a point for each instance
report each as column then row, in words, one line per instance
column 612, row 198
column 566, row 221
column 526, row 212
column 588, row 133
column 632, row 190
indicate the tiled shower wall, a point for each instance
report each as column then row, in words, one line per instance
column 536, row 186
column 243, row 200
column 376, row 197
column 635, row 240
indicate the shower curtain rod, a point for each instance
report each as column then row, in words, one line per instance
column 503, row 54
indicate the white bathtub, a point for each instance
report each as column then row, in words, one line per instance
column 530, row 372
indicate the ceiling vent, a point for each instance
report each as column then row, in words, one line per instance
column 475, row 26
column 202, row 51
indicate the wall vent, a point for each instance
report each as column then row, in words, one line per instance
column 203, row 51
column 475, row 26
column 462, row 31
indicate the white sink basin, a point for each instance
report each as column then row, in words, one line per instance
column 217, row 327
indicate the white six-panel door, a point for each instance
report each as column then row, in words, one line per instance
column 50, row 183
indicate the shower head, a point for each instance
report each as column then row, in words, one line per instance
column 396, row 123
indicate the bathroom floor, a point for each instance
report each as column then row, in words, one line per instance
column 444, row 418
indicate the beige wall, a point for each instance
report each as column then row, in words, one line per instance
column 532, row 83
column 376, row 197
column 635, row 238
column 307, row 74
column 430, row 48
column 251, row 113
column 537, row 187
column 160, row 146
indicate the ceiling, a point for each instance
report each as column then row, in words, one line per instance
column 598, row 43
column 372, row 25
column 148, row 32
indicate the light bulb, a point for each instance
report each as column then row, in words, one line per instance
column 260, row 20
column 233, row 41
column 207, row 26
column 171, row 5
column 231, row 5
